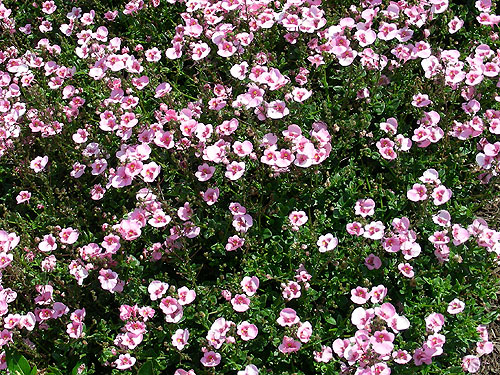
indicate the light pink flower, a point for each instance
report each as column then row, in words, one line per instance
column 210, row 359
column 23, row 196
column 456, row 306
column 68, row 235
column 327, row 242
column 406, row 269
column 48, row 243
column 288, row 317
column 247, row 331
column 359, row 295
column 364, row 207
column 250, row 285
column 417, row 193
column 471, row 363
column 38, row 164
column 289, row 345
column 240, row 302
column 125, row 361
column 180, row 338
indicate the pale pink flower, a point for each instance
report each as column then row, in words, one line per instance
column 288, row 317
column 157, row 289
column 471, row 363
column 374, row 230
column 247, row 331
column 38, row 164
column 125, row 361
column 240, row 302
column 304, row 332
column 434, row 322
column 249, row 370
column 297, row 218
column 186, row 296
column 373, row 262
column 250, row 285
column 23, row 196
column 210, row 359
column 417, row 193
column 364, row 207
column 359, row 295
column 210, row 196
column 68, row 235
column 406, row 269
column 327, row 242
column 235, row 170
column 455, row 307
column 289, row 345
column 180, row 338
column 48, row 243
column 441, row 195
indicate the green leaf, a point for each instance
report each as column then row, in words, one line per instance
column 24, row 365
column 146, row 369
column 267, row 234
column 331, row 320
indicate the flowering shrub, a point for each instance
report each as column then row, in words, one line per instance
column 247, row 186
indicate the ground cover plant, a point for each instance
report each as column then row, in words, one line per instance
column 248, row 186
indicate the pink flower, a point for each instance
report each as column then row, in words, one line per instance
column 242, row 222
column 364, row 207
column 401, row 356
column 150, row 171
column 471, row 363
column 434, row 322
column 157, row 289
column 235, row 170
column 247, row 331
column 240, row 302
column 277, row 110
column 327, row 242
column 162, row 89
column 382, row 342
column 210, row 359
column 359, row 295
column 211, row 196
column 205, row 172
column 186, row 296
column 441, row 195
column 23, row 196
column 249, row 370
column 455, row 307
column 48, row 243
column 109, row 279
column 355, row 228
column 374, row 230
column 68, row 235
column 180, row 338
column 406, row 269
column 297, row 218
column 38, row 164
column 373, row 262
column 289, row 345
column 421, row 100
column 125, row 361
column 288, row 317
column 234, row 243
column 304, row 332
column 417, row 193
column 325, row 355
column 250, row 285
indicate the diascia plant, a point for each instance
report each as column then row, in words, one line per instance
column 248, row 186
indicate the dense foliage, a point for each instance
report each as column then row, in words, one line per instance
column 247, row 186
